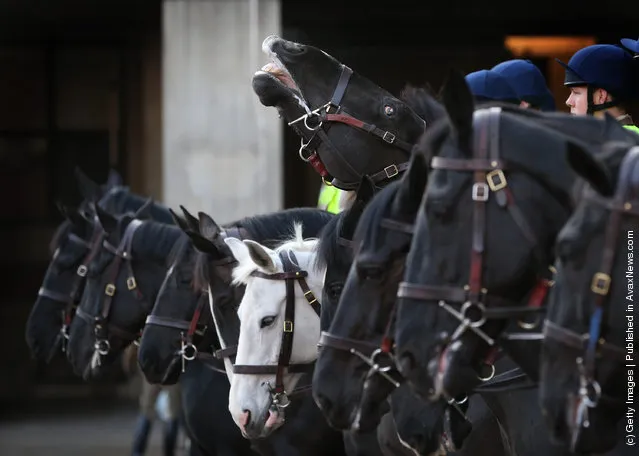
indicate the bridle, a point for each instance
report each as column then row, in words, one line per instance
column 72, row 298
column 369, row 352
column 333, row 112
column 292, row 273
column 100, row 322
column 478, row 305
column 190, row 328
column 593, row 343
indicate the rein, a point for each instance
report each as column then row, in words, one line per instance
column 292, row 273
column 593, row 343
column 333, row 112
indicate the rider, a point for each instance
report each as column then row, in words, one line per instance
column 488, row 85
column 631, row 45
column 329, row 198
column 528, row 82
column 602, row 78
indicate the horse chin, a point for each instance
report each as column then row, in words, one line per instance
column 454, row 376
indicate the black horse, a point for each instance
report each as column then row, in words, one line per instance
column 122, row 281
column 350, row 127
column 71, row 247
column 364, row 317
column 584, row 383
column 454, row 245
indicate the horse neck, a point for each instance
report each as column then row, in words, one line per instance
column 119, row 200
column 153, row 241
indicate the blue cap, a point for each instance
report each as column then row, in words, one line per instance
column 604, row 66
column 490, row 85
column 528, row 81
column 631, row 45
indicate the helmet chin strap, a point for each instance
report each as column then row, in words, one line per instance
column 592, row 107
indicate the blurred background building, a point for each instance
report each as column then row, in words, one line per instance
column 161, row 92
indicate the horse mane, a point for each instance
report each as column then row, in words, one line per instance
column 296, row 243
column 424, row 102
column 274, row 228
column 183, row 242
column 329, row 251
column 200, row 271
column 157, row 238
column 269, row 230
column 374, row 211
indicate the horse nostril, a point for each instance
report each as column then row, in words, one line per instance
column 245, row 418
column 406, row 363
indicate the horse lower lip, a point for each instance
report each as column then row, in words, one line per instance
column 275, row 69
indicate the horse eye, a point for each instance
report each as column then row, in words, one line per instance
column 267, row 321
column 389, row 110
column 370, row 272
column 335, row 291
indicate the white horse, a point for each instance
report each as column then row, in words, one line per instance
column 262, row 326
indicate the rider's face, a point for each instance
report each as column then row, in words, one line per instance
column 578, row 99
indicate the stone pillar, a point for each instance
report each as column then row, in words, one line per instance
column 222, row 150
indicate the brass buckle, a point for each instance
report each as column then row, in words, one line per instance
column 600, row 283
column 391, row 171
column 131, row 283
column 306, row 295
column 496, row 180
column 288, row 326
column 109, row 290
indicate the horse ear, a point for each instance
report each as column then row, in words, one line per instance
column 191, row 220
column 179, row 221
column 260, row 255
column 239, row 249
column 114, row 179
column 144, row 212
column 201, row 243
column 459, row 103
column 89, row 189
column 109, row 223
column 208, row 228
column 413, row 183
column 593, row 170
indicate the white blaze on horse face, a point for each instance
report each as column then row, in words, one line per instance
column 261, row 314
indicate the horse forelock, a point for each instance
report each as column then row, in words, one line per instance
column 296, row 244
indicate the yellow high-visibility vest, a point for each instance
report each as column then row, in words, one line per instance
column 633, row 128
column 329, row 198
